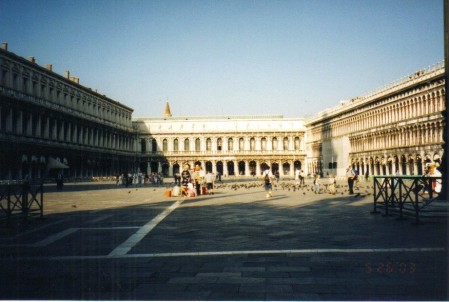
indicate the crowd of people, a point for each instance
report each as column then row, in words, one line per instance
column 196, row 181
column 193, row 182
column 139, row 179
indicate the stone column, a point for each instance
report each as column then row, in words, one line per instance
column 214, row 167
column 225, row 168
column 170, row 169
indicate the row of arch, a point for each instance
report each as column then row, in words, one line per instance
column 222, row 144
column 405, row 164
column 224, row 167
column 376, row 115
column 421, row 134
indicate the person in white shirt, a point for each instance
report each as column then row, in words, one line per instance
column 350, row 174
column 210, row 178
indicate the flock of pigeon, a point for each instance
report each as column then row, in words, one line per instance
column 285, row 186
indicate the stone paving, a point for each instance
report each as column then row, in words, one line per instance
column 102, row 242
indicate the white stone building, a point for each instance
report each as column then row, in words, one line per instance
column 394, row 130
column 50, row 122
column 229, row 145
column 46, row 117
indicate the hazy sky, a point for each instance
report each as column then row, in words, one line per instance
column 243, row 57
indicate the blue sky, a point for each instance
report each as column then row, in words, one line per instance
column 243, row 57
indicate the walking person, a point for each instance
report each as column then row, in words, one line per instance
column 331, row 186
column 350, row 174
column 268, row 183
column 297, row 178
column 301, row 178
column 316, row 184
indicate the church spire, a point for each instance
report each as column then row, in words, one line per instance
column 167, row 112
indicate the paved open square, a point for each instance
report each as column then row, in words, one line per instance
column 102, row 242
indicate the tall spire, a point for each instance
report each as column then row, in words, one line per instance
column 167, row 112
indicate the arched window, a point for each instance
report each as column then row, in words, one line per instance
column 285, row 143
column 297, row 144
column 264, row 144
column 186, row 145
column 230, row 144
column 165, row 145
column 208, row 144
column 219, row 144
column 175, row 145
column 197, row 145
column 274, row 143
column 154, row 145
column 252, row 144
column 241, row 144
column 143, row 145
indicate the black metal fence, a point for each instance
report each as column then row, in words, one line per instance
column 21, row 199
column 407, row 195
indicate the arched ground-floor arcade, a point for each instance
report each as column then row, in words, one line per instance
column 405, row 161
column 20, row 161
column 235, row 166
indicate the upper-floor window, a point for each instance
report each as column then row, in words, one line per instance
column 208, row 144
column 241, row 144
column 175, row 145
column 263, row 144
column 25, row 85
column 285, row 143
column 4, row 76
column 153, row 145
column 252, row 144
column 275, row 143
column 297, row 143
column 197, row 145
column 186, row 145
column 219, row 144
column 165, row 145
column 230, row 144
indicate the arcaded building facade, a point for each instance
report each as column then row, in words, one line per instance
column 50, row 123
column 393, row 130
column 228, row 145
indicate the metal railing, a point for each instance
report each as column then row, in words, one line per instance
column 404, row 194
column 21, row 199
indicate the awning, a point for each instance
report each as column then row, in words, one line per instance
column 55, row 164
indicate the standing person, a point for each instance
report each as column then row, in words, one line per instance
column 316, row 184
column 277, row 177
column 139, row 179
column 219, row 176
column 198, row 176
column 267, row 178
column 185, row 176
column 301, row 178
column 435, row 184
column 177, row 179
column 350, row 174
column 297, row 178
column 331, row 186
column 59, row 181
column 210, row 178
